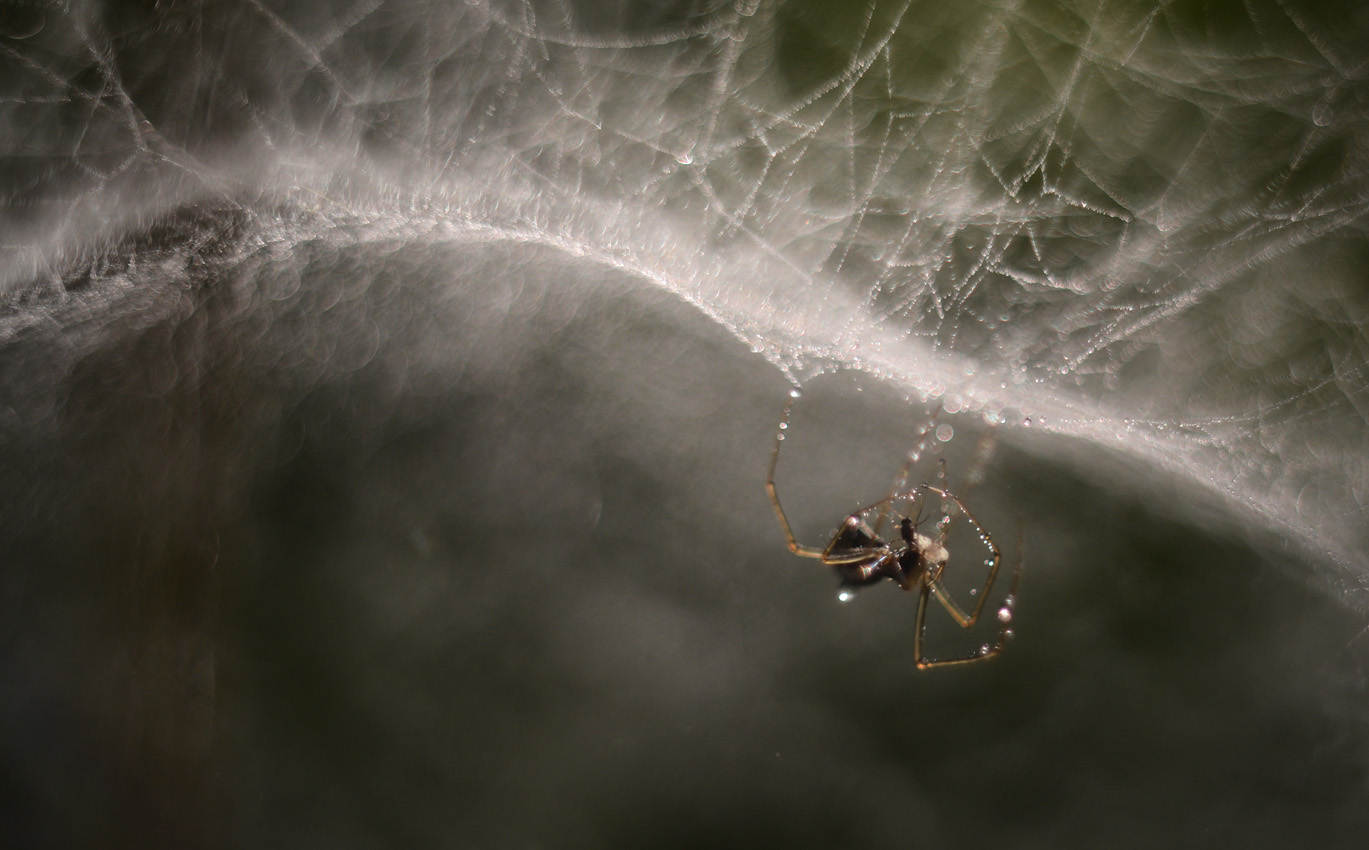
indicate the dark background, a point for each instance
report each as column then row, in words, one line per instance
column 318, row 531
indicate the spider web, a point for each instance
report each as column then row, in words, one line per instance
column 1139, row 225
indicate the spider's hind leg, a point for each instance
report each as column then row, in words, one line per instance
column 794, row 546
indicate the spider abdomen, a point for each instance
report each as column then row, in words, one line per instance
column 868, row 571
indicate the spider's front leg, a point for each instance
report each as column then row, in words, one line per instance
column 995, row 558
column 931, row 585
column 901, row 480
column 983, row 452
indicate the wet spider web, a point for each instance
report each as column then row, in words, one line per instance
column 1139, row 225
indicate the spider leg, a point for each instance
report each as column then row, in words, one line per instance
column 920, row 631
column 794, row 546
column 1004, row 630
column 901, row 480
column 974, row 475
column 995, row 559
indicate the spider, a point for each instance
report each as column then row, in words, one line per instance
column 860, row 556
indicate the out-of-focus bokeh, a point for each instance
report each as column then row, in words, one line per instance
column 387, row 392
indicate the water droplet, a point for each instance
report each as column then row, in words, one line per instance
column 974, row 591
column 1010, row 600
column 1005, row 614
column 845, row 596
column 1009, row 634
column 685, row 158
column 944, row 433
column 984, row 650
column 784, row 426
column 1027, row 423
column 795, row 392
